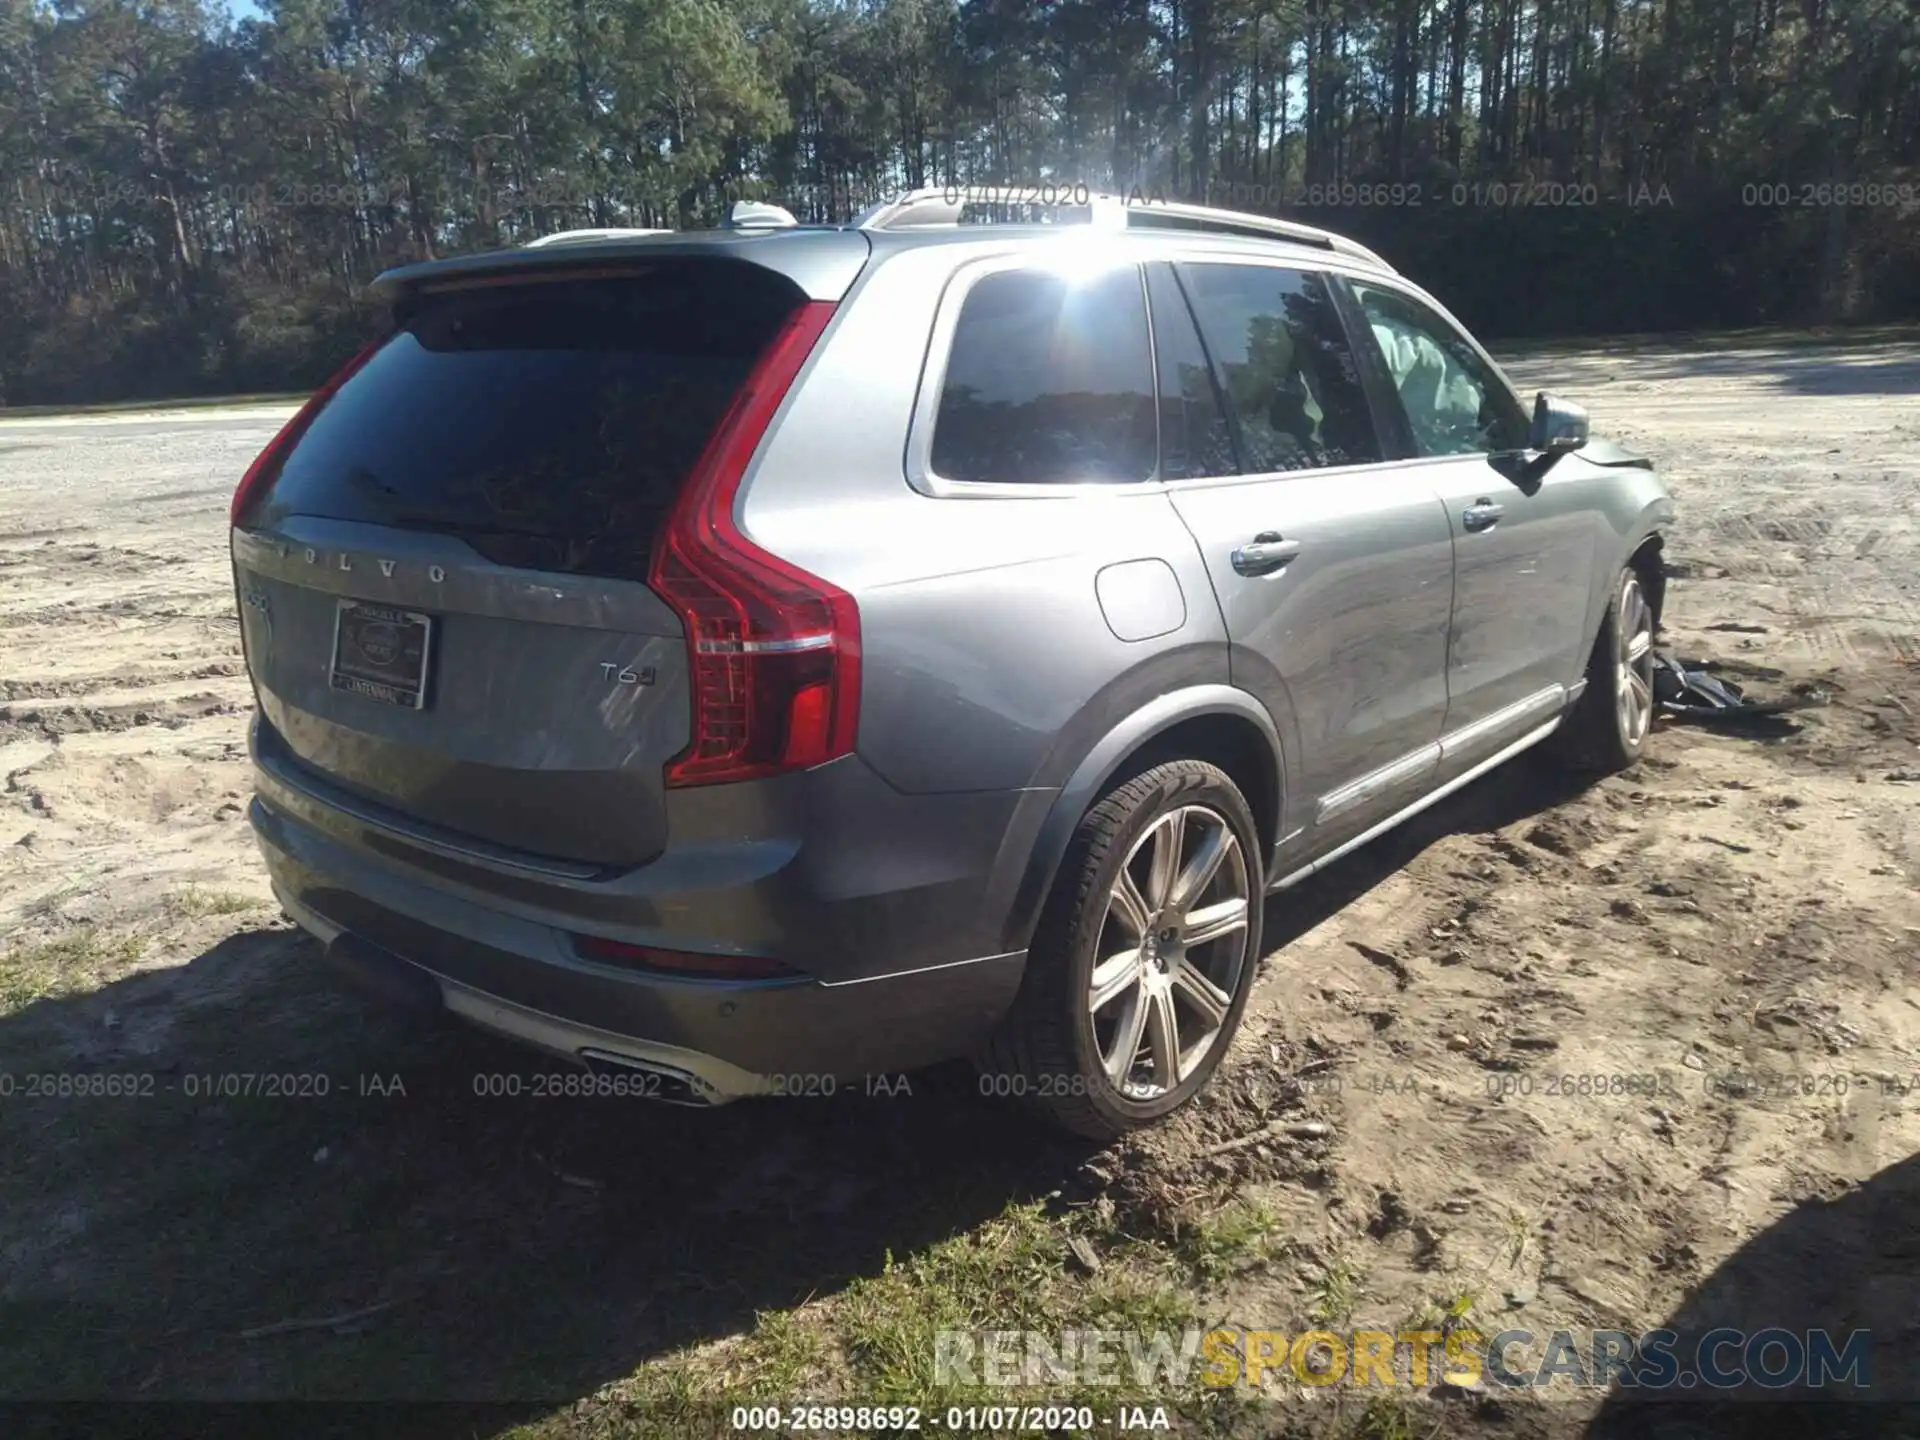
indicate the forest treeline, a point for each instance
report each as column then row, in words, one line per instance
column 192, row 203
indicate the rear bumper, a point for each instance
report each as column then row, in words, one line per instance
column 515, row 972
column 831, row 871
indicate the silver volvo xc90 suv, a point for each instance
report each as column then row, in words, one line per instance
column 749, row 657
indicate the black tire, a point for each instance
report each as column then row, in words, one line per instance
column 1598, row 736
column 1047, row 1052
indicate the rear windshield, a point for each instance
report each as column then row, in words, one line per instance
column 548, row 425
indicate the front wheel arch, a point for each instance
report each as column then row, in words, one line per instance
column 1649, row 562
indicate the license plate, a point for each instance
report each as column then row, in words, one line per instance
column 381, row 653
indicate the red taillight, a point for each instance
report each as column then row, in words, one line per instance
column 683, row 962
column 774, row 652
column 265, row 462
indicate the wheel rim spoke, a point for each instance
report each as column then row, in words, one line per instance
column 1126, row 1040
column 1168, row 841
column 1129, row 906
column 1213, row 850
column 1112, row 978
column 1207, row 998
column 1163, row 1039
column 1213, row 921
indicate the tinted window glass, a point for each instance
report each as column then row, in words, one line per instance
column 1455, row 404
column 1291, row 380
column 1195, row 439
column 1048, row 379
column 549, row 425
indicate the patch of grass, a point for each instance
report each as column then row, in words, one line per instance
column 1234, row 1239
column 194, row 903
column 1519, row 1233
column 1335, row 1294
column 789, row 1352
column 665, row 1398
column 1009, row 1274
column 878, row 1341
column 1424, row 1316
column 1386, row 1419
column 63, row 965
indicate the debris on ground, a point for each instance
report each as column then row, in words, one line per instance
column 1689, row 690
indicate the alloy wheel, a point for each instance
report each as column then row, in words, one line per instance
column 1633, row 663
column 1171, row 952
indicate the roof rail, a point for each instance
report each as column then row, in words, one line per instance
column 913, row 210
column 1172, row 215
column 586, row 237
column 939, row 208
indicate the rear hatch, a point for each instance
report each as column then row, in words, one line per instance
column 442, row 578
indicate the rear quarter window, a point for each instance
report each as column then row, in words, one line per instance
column 1048, row 379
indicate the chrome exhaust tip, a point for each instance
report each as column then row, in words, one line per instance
column 650, row 1080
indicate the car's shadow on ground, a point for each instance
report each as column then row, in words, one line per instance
column 486, row 1245
column 1836, row 1267
column 1526, row 786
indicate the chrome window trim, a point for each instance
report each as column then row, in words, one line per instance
column 925, row 480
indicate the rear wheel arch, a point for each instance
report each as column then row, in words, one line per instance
column 1219, row 724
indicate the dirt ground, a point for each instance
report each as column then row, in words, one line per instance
column 1452, row 1039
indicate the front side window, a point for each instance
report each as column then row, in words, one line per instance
column 1282, row 355
column 1049, row 379
column 1195, row 438
column 1455, row 403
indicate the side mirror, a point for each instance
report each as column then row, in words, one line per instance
column 1558, row 425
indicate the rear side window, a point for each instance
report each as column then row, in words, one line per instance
column 1290, row 376
column 1049, row 379
column 549, row 425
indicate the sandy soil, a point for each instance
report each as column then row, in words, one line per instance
column 1737, row 905
column 122, row 732
column 1738, row 913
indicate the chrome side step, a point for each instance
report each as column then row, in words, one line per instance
column 1432, row 797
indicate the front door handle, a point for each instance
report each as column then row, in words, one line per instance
column 1482, row 515
column 1264, row 554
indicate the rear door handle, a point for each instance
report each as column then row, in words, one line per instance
column 1264, row 554
column 1482, row 515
